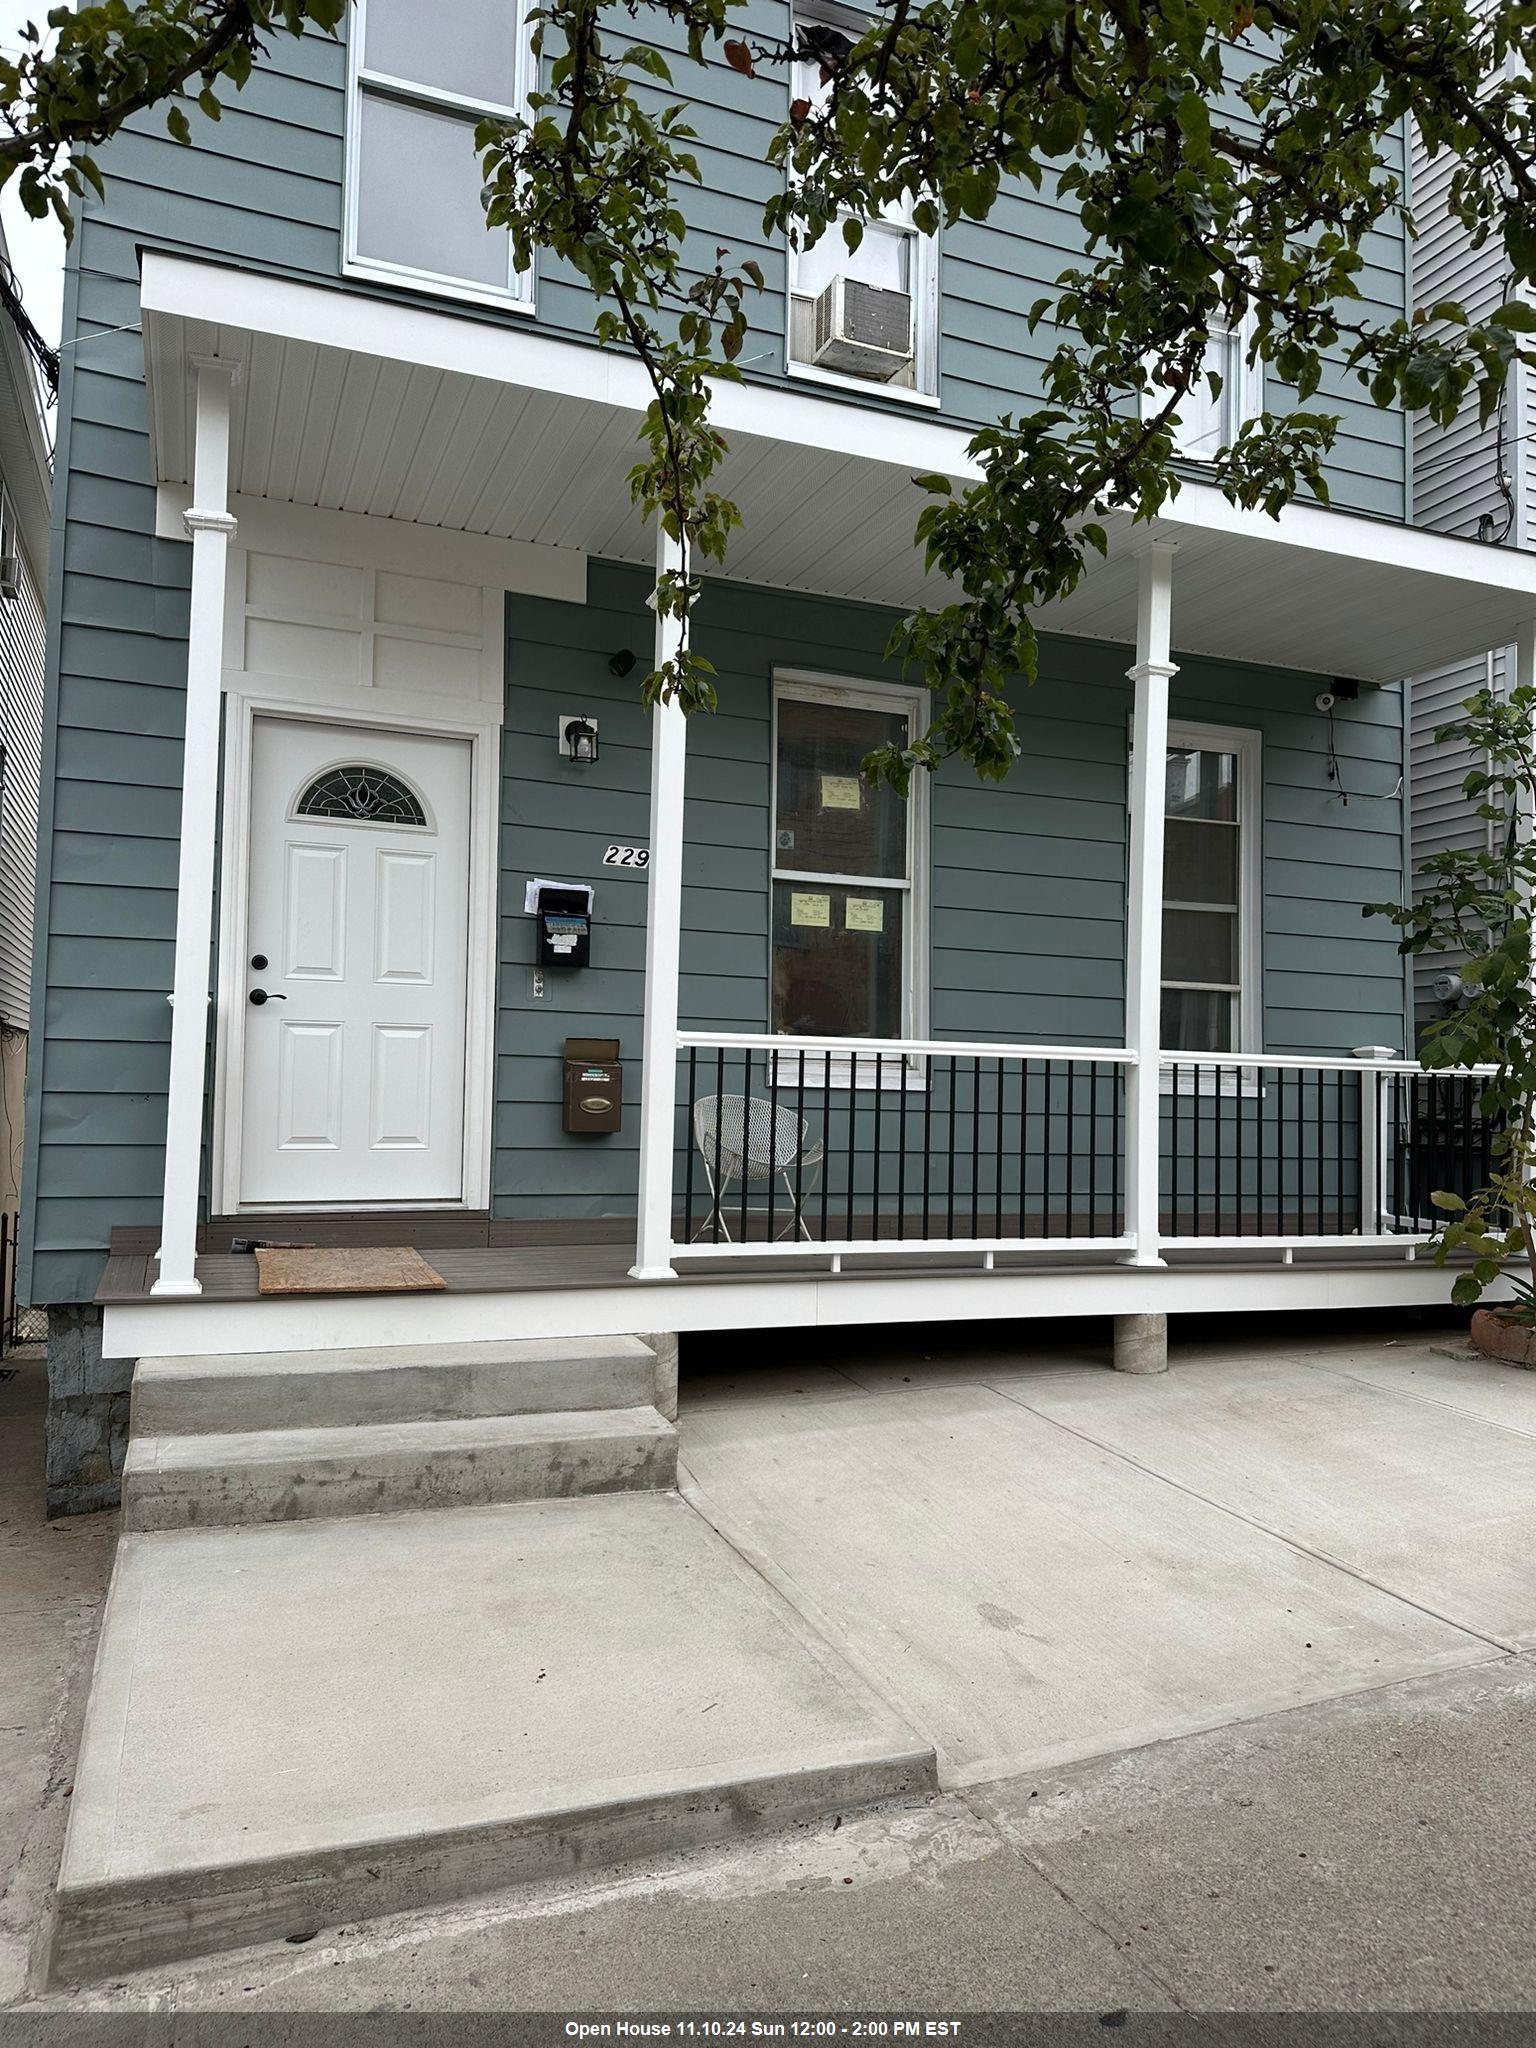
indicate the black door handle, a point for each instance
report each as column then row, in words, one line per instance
column 260, row 996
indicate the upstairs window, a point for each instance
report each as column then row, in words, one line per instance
column 1211, row 913
column 866, row 317
column 413, row 177
column 846, row 865
column 1209, row 422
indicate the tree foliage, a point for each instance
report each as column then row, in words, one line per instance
column 1475, row 903
column 1227, row 159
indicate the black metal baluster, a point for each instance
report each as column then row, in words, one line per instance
column 773, row 1136
column 1195, row 1073
column 997, row 1188
column 693, row 1096
column 719, row 1135
column 746, row 1141
column 950, row 1190
column 879, row 1106
column 853, row 1117
column 826, row 1140
column 800, row 1229
column 927, row 1140
column 1071, row 1141
column 1175, row 1151
column 1093, row 1148
column 901, row 1155
column 975, row 1147
column 1117, row 1148
column 1045, row 1148
column 1338, row 1152
column 1465, row 1086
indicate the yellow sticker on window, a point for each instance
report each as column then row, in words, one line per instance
column 839, row 792
column 814, row 910
column 866, row 914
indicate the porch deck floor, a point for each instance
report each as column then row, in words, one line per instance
column 581, row 1264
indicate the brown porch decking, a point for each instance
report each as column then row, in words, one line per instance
column 480, row 1255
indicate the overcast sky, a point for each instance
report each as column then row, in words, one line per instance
column 37, row 247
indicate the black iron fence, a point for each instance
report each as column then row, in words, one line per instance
column 898, row 1142
column 1302, row 1150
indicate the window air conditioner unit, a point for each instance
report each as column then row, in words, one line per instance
column 862, row 330
column 10, row 577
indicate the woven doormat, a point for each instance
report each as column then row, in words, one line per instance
column 347, row 1269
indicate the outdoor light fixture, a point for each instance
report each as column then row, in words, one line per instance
column 621, row 663
column 578, row 739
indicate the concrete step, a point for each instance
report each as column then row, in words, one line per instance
column 286, row 1475
column 436, row 1383
column 291, row 1728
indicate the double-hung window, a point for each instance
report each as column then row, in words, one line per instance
column 894, row 258
column 1211, row 913
column 1210, row 421
column 847, row 866
column 417, row 89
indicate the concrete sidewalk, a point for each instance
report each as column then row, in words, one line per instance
column 1371, row 1854
column 1318, row 1553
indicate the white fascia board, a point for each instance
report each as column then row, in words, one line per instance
column 272, row 526
column 1200, row 508
column 176, row 288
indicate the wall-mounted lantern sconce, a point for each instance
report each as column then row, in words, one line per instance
column 578, row 739
column 622, row 663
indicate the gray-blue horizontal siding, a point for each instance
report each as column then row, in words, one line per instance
column 1027, row 878
column 267, row 189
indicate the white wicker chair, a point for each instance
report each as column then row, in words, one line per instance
column 745, row 1140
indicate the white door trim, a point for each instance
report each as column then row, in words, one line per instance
column 452, row 720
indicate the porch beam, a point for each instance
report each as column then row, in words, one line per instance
column 210, row 528
column 1151, row 673
column 663, row 952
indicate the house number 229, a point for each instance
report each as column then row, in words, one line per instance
column 627, row 857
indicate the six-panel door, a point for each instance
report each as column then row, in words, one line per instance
column 354, row 1026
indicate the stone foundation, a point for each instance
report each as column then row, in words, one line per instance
column 87, row 1425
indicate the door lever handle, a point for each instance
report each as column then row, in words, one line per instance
column 260, row 996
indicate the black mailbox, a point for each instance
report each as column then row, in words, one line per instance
column 565, row 928
column 594, row 1085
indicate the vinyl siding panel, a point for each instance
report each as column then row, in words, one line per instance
column 23, row 634
column 1026, row 879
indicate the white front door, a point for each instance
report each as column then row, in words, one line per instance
column 356, row 944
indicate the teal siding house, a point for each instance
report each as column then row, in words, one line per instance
column 374, row 911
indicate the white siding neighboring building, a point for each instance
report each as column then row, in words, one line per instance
column 1471, row 479
column 24, row 521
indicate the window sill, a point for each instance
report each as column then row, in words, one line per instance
column 844, row 1076
column 809, row 373
column 1212, row 1082
column 425, row 284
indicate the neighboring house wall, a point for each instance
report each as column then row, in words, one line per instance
column 1469, row 478
column 1028, row 878
column 22, row 635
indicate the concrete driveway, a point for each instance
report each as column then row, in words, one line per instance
column 1036, row 1559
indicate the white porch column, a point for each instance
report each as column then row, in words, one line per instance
column 210, row 529
column 663, row 933
column 1151, row 673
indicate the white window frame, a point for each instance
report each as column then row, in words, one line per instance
column 1242, row 392
column 852, row 1069
column 519, row 295
column 1246, row 744
column 924, row 390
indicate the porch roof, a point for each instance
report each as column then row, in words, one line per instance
column 360, row 403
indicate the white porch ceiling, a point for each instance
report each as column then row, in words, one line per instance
column 362, row 406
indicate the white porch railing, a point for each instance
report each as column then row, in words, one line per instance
column 789, row 1147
